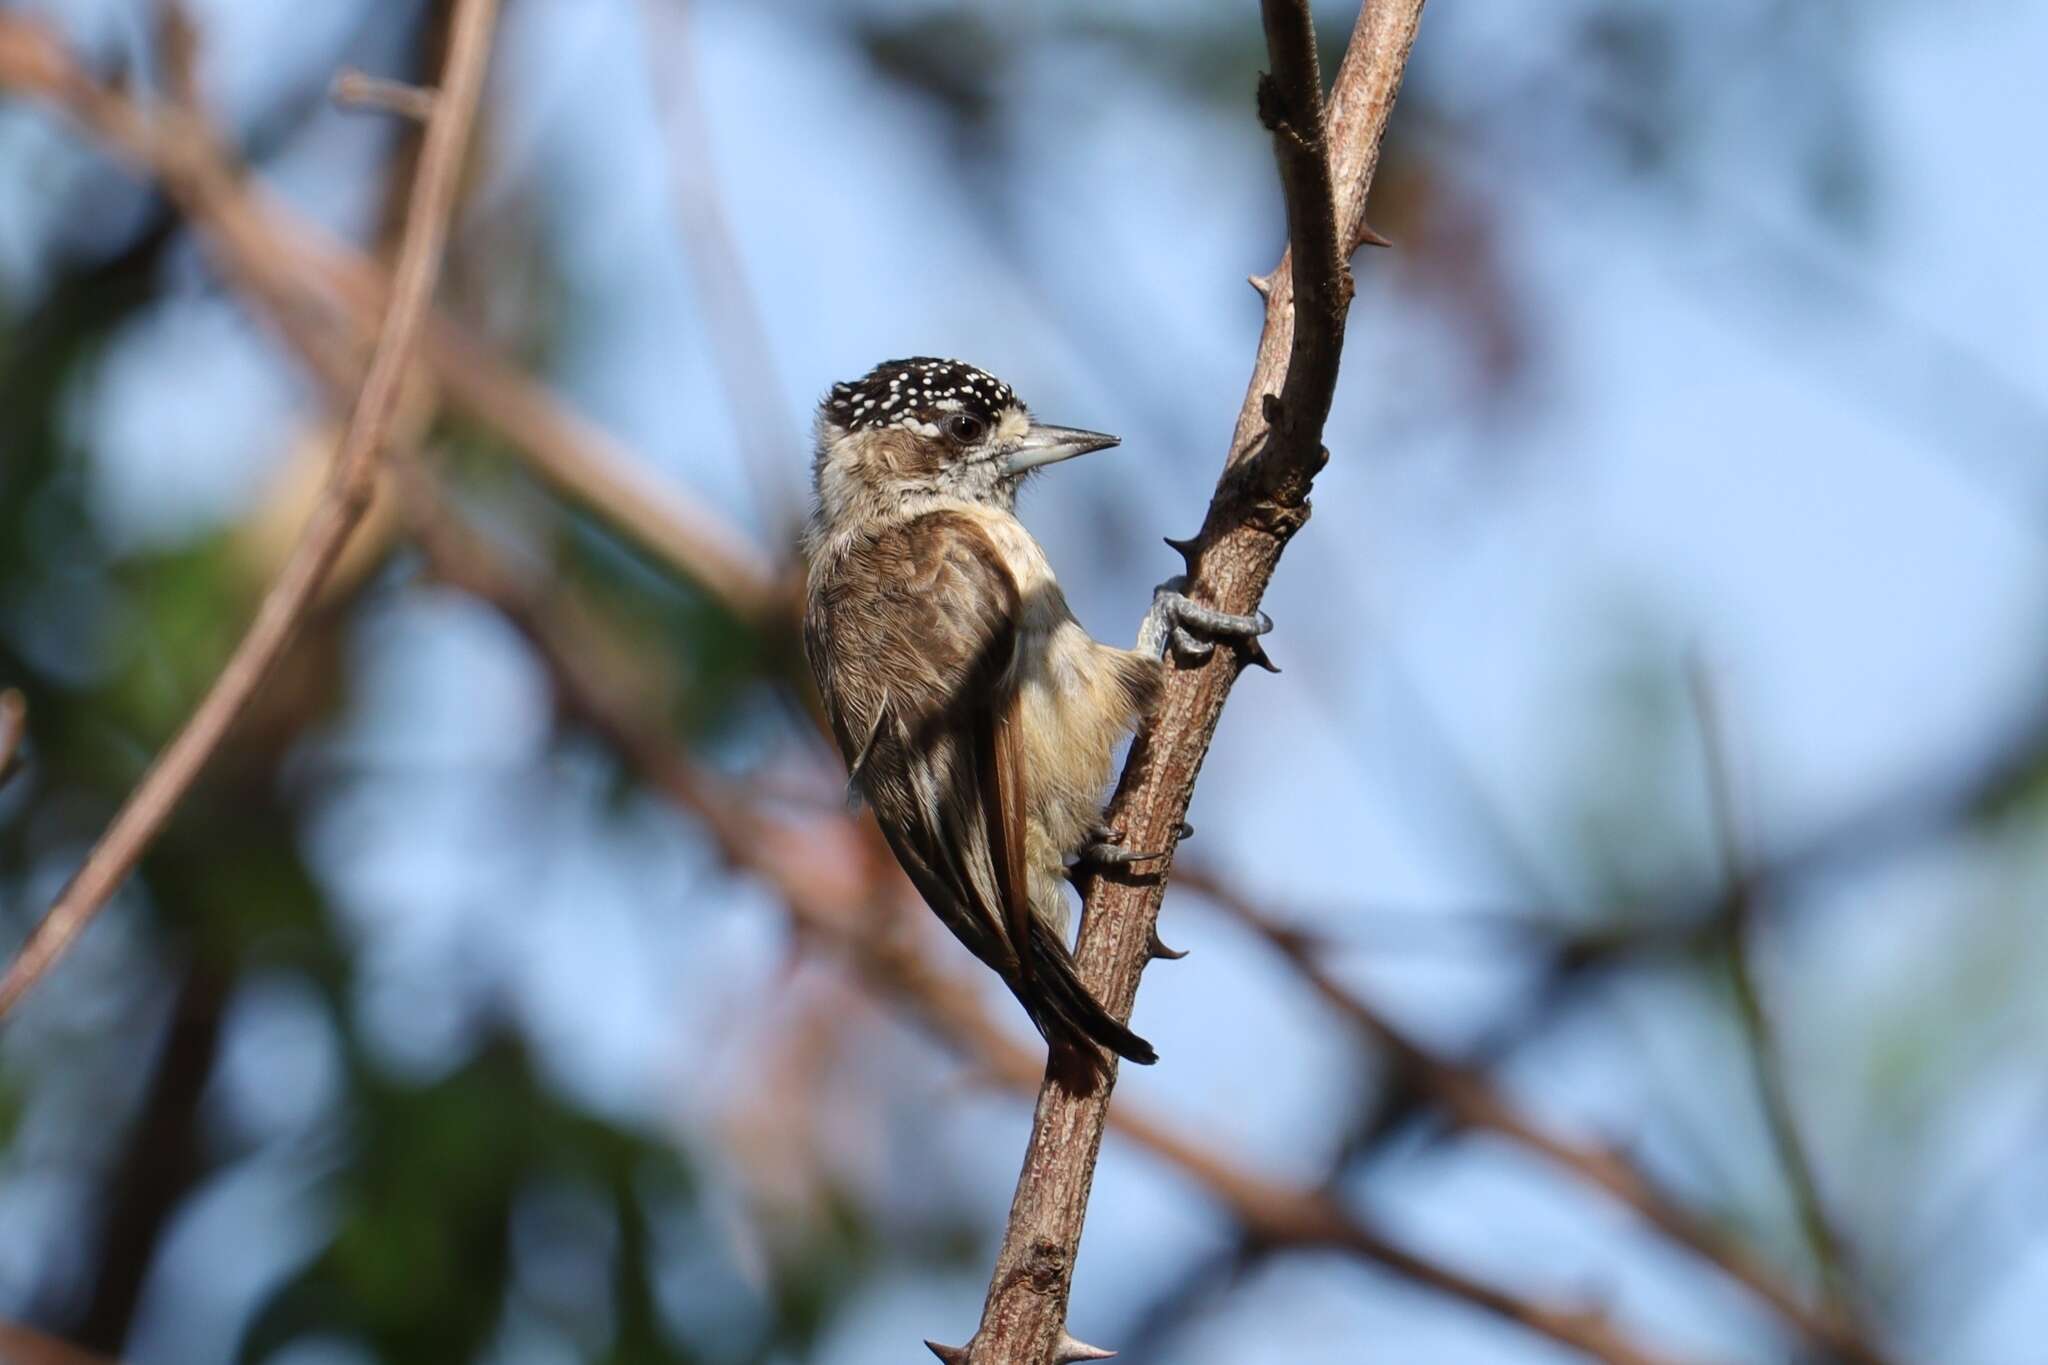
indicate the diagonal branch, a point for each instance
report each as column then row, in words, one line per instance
column 1472, row 1100
column 341, row 507
column 13, row 729
column 329, row 300
column 1823, row 1240
column 567, row 451
column 1326, row 160
column 741, row 351
column 20, row 1345
column 1274, row 1214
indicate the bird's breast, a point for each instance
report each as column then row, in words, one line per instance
column 1075, row 706
column 1021, row 555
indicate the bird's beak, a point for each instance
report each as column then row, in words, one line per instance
column 1049, row 445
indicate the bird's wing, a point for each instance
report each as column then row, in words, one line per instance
column 913, row 638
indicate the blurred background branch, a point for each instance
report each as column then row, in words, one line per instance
column 341, row 508
column 1470, row 1101
column 26, row 1347
column 1823, row 1243
column 280, row 261
column 13, row 729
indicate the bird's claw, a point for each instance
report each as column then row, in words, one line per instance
column 1105, row 847
column 1190, row 630
column 1104, row 853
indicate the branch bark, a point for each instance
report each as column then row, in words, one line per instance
column 1326, row 164
column 341, row 507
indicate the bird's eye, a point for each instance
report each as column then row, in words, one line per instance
column 964, row 427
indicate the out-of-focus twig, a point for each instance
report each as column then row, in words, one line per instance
column 25, row 1346
column 1766, row 1059
column 328, row 299
column 360, row 90
column 1473, row 1100
column 571, row 454
column 740, row 349
column 13, row 729
column 164, row 1155
column 1326, row 158
column 1276, row 1214
column 342, row 505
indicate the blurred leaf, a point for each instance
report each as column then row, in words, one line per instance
column 419, row 1264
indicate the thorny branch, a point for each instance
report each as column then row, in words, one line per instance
column 341, row 507
column 1326, row 159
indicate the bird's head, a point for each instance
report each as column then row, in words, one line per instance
column 910, row 431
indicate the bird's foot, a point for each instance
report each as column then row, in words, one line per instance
column 1105, row 848
column 1191, row 630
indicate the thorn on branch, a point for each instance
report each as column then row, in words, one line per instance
column 1271, row 115
column 1277, row 119
column 1190, row 551
column 1263, row 284
column 1070, row 1350
column 1156, row 948
column 1370, row 236
column 354, row 89
column 952, row 1355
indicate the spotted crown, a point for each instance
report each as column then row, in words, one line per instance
column 916, row 393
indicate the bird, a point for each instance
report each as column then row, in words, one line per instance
column 977, row 717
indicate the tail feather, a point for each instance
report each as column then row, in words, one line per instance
column 1072, row 1020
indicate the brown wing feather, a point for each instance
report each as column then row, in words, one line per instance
column 1005, row 800
column 912, row 641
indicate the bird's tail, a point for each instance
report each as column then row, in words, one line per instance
column 1073, row 1021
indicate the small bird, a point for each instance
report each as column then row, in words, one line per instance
column 976, row 716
